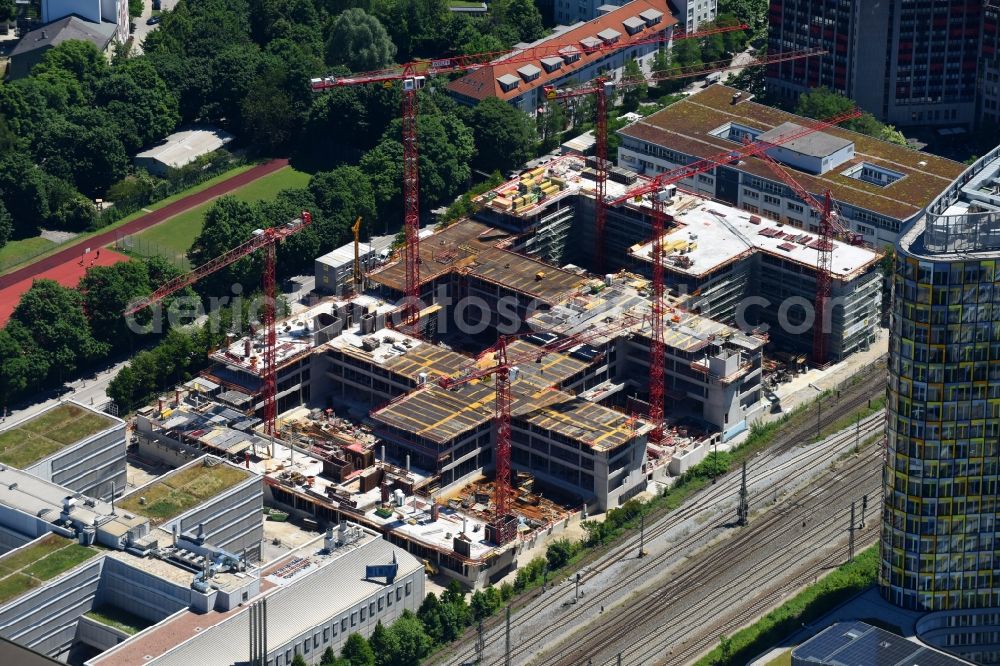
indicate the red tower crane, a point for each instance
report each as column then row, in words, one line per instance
column 656, row 187
column 268, row 240
column 413, row 75
column 503, row 363
column 602, row 87
column 829, row 228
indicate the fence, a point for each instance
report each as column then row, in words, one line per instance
column 135, row 244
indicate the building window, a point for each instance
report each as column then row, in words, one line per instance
column 354, row 619
column 326, row 630
column 305, row 646
column 399, row 593
column 371, row 609
column 343, row 624
column 774, row 201
column 750, row 194
column 380, row 604
column 388, row 599
column 408, row 589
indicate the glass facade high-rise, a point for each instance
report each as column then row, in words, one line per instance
column 940, row 548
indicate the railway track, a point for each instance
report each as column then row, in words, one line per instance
column 765, row 472
column 723, row 575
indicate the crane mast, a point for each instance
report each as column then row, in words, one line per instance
column 413, row 76
column 262, row 239
column 660, row 197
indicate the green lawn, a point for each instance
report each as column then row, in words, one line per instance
column 172, row 238
column 60, row 561
column 50, row 556
column 182, row 490
column 119, row 619
column 784, row 659
column 48, row 432
column 19, row 251
column 463, row 4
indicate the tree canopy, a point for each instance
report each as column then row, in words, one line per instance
column 358, row 41
column 822, row 103
column 504, row 136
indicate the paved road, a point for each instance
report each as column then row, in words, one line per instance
column 141, row 29
column 74, row 251
column 89, row 390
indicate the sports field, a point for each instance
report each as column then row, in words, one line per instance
column 173, row 238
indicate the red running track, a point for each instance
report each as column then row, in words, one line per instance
column 73, row 253
column 67, row 274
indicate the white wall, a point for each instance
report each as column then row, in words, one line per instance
column 53, row 10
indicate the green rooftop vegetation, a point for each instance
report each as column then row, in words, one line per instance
column 182, row 490
column 47, row 558
column 50, row 431
column 119, row 619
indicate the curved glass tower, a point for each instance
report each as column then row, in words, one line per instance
column 940, row 548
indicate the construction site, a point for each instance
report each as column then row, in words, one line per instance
column 583, row 335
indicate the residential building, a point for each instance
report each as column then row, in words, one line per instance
column 692, row 15
column 940, row 550
column 32, row 46
column 908, row 63
column 878, row 187
column 573, row 56
column 70, row 444
column 94, row 11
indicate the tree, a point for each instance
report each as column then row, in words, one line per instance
column 414, row 643
column 84, row 148
column 54, row 315
column 79, row 58
column 139, row 100
column 713, row 47
column 22, row 189
column 383, row 644
column 329, row 658
column 558, row 553
column 821, row 103
column 8, row 10
column 504, row 136
column 359, row 41
column 520, row 15
column 228, row 223
column 551, row 122
column 635, row 93
column 6, row 225
column 267, row 114
column 429, row 614
column 484, row 603
column 23, row 365
column 299, row 660
column 686, row 53
column 357, row 651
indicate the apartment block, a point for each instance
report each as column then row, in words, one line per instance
column 573, row 54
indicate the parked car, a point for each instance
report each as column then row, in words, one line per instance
column 152, row 20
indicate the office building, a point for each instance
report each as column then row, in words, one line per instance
column 878, row 187
column 908, row 63
column 70, row 444
column 940, row 550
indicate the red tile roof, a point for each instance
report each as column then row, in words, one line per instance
column 482, row 83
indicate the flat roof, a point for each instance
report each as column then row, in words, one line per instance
column 295, row 337
column 485, row 81
column 321, row 587
column 817, row 144
column 470, row 246
column 710, row 235
column 38, row 561
column 861, row 643
column 441, row 415
column 687, row 125
column 36, row 438
column 344, row 254
column 183, row 489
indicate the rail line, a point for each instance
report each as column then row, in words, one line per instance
column 761, row 472
column 714, row 569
